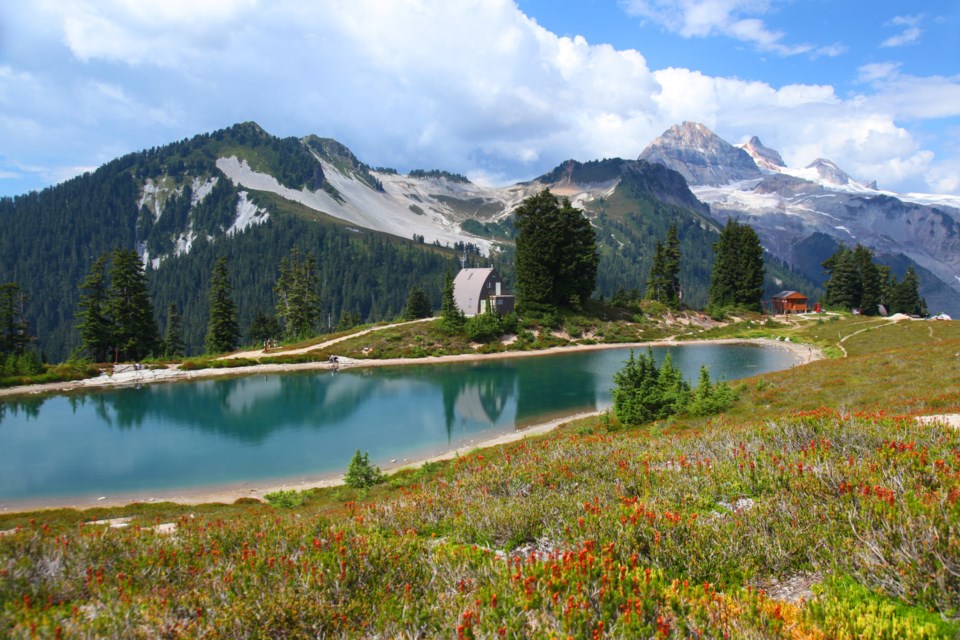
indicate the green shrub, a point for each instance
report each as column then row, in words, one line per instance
column 362, row 473
column 287, row 499
column 483, row 328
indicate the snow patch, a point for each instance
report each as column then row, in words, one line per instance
column 386, row 211
column 248, row 214
column 201, row 190
column 845, row 230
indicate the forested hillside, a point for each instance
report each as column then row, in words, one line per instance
column 180, row 212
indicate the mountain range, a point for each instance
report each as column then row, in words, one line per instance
column 244, row 193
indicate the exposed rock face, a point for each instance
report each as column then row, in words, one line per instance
column 831, row 173
column 788, row 206
column 763, row 156
column 701, row 156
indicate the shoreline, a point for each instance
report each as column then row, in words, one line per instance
column 805, row 355
column 229, row 493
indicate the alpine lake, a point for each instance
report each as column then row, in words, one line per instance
column 263, row 430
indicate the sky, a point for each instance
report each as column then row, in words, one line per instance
column 498, row 90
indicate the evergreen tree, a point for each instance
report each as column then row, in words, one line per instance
column 418, row 305
column 671, row 268
column 134, row 330
column 657, row 280
column 556, row 253
column 263, row 328
column 737, row 276
column 223, row 334
column 844, row 287
column 298, row 303
column 871, row 283
column 905, row 297
column 14, row 336
column 96, row 332
column 663, row 283
column 173, row 340
column 856, row 281
column 637, row 397
column 451, row 317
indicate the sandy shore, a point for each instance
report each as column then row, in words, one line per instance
column 257, row 489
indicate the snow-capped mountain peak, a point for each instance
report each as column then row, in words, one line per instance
column 765, row 157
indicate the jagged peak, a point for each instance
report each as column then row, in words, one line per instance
column 701, row 156
column 764, row 156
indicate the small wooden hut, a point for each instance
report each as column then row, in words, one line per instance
column 789, row 302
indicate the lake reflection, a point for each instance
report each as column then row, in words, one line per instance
column 220, row 431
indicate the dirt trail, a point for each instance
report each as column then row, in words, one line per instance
column 259, row 353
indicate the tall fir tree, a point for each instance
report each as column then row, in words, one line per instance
column 128, row 305
column 418, row 305
column 663, row 283
column 451, row 317
column 671, row 268
column 298, row 303
column 855, row 281
column 657, row 280
column 173, row 339
column 223, row 334
column 905, row 296
column 556, row 253
column 14, row 334
column 737, row 276
column 96, row 331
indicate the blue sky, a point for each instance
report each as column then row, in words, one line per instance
column 498, row 90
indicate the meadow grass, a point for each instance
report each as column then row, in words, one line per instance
column 678, row 529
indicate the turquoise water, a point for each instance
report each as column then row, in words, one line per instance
column 267, row 427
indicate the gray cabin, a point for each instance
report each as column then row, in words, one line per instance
column 477, row 291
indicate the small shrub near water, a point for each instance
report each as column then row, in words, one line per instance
column 362, row 473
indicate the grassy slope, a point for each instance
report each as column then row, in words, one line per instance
column 819, row 473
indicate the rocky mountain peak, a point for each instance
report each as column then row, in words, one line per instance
column 762, row 155
column 830, row 173
column 701, row 156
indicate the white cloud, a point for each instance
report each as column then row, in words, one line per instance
column 732, row 18
column 910, row 34
column 474, row 87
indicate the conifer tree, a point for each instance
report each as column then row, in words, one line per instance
column 905, row 296
column 737, row 276
column 451, row 317
column 223, row 334
column 96, row 332
column 556, row 255
column 14, row 336
column 671, row 268
column 173, row 340
column 418, row 305
column 657, row 281
column 298, row 303
column 128, row 305
column 263, row 328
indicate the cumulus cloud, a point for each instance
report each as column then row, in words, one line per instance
column 475, row 87
column 704, row 18
column 910, row 34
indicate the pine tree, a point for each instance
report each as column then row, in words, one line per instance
column 556, row 253
column 671, row 268
column 451, row 317
column 223, row 334
column 871, row 284
column 657, row 280
column 737, row 276
column 263, row 328
column 844, row 288
column 14, row 336
column 298, row 303
column 637, row 397
column 173, row 340
column 905, row 296
column 129, row 308
column 96, row 331
column 418, row 305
